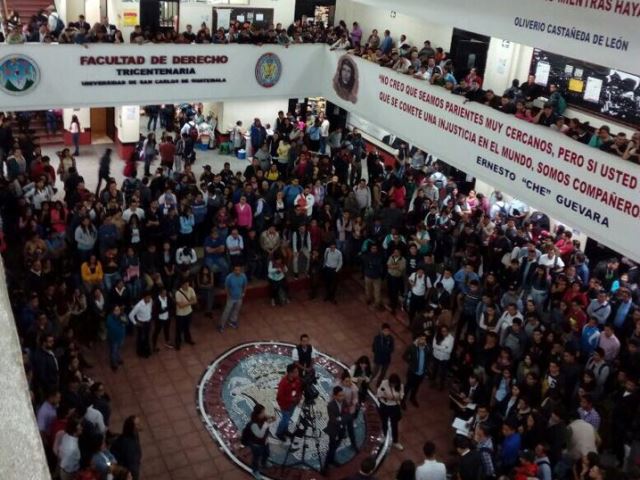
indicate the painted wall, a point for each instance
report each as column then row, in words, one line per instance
column 74, row 8
column 195, row 13
column 416, row 30
column 127, row 120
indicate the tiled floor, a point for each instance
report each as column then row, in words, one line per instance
column 161, row 389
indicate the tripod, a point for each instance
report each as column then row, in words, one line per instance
column 306, row 421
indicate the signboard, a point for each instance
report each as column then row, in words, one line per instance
column 574, row 183
column 111, row 75
column 605, row 32
column 130, row 18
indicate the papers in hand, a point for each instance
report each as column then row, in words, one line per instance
column 457, row 399
column 461, row 426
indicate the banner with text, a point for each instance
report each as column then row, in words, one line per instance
column 40, row 76
column 605, row 32
column 576, row 184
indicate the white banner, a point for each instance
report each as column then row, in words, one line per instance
column 604, row 32
column 576, row 184
column 38, row 76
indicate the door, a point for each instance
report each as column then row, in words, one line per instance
column 111, row 123
column 470, row 54
column 468, row 50
column 98, row 124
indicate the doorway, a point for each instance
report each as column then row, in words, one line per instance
column 468, row 50
column 102, row 125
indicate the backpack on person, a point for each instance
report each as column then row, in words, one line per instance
column 193, row 132
column 59, row 25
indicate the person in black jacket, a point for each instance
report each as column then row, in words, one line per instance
column 469, row 461
column 383, row 345
column 335, row 428
column 126, row 447
column 416, row 355
column 45, row 365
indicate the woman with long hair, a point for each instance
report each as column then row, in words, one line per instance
column 390, row 394
column 406, row 471
column 361, row 375
column 257, row 438
column 74, row 128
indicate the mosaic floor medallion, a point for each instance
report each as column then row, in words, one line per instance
column 248, row 374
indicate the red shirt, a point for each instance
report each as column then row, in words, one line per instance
column 289, row 393
column 167, row 151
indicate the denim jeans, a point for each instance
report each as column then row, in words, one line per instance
column 231, row 311
column 260, row 455
column 114, row 352
column 283, row 426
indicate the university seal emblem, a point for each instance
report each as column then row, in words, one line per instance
column 18, row 74
column 268, row 70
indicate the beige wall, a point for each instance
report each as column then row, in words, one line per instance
column 416, row 30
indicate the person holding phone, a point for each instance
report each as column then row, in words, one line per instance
column 390, row 394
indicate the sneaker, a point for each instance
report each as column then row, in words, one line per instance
column 273, row 302
column 398, row 446
column 234, row 325
column 168, row 345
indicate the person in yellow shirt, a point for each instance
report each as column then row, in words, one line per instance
column 91, row 272
column 185, row 297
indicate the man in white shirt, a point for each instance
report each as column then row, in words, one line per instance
column 506, row 320
column 95, row 418
column 331, row 265
column 235, row 246
column 363, row 194
column 324, row 132
column 134, row 209
column 69, row 450
column 599, row 308
column 419, row 283
column 431, row 469
column 140, row 316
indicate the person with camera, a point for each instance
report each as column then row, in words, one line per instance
column 390, row 394
column 303, row 356
column 255, row 436
column 288, row 396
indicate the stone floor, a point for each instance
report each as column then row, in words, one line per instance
column 162, row 389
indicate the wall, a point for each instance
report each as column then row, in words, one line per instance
column 127, row 120
column 247, row 110
column 84, row 117
column 283, row 10
column 416, row 30
column 92, row 11
column 194, row 13
column 74, row 8
column 22, row 453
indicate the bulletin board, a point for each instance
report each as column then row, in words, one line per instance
column 604, row 91
column 222, row 16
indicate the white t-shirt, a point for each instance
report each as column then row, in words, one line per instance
column 431, row 470
column 418, row 284
column 553, row 263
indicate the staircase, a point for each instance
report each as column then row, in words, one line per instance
column 38, row 128
column 27, row 8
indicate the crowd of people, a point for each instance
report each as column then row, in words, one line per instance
column 537, row 344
